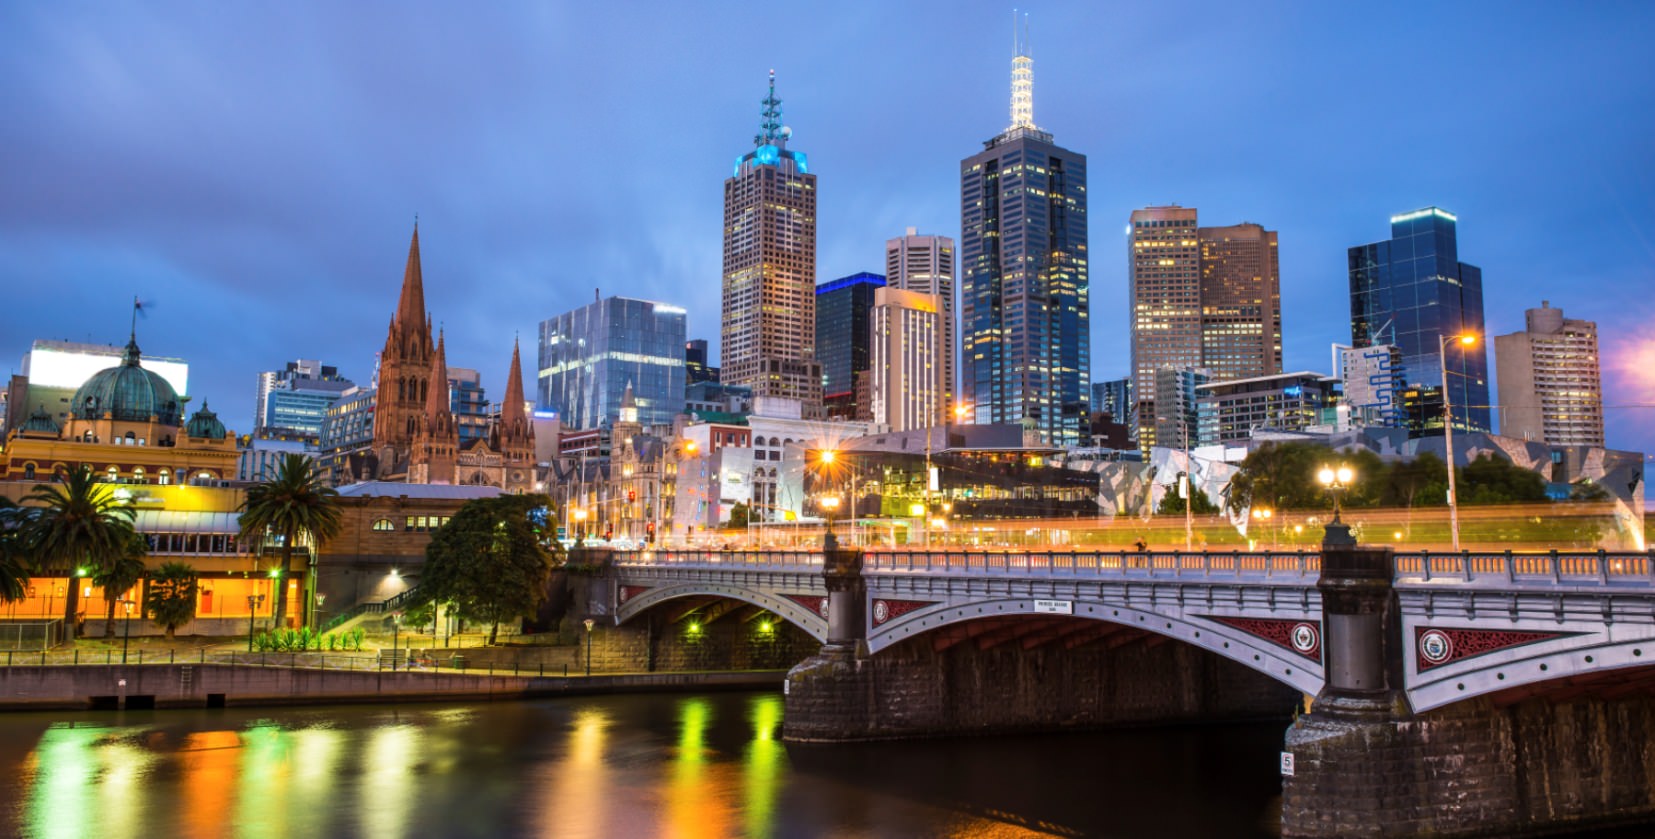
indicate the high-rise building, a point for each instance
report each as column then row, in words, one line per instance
column 1207, row 297
column 1550, row 385
column 1114, row 398
column 1229, row 411
column 1373, row 385
column 590, row 355
column 1411, row 291
column 298, row 396
column 1025, row 333
column 925, row 264
column 1240, row 301
column 908, row 347
column 696, row 366
column 1176, row 395
column 842, row 309
column 769, row 333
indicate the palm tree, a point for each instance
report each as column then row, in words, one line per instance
column 294, row 503
column 14, row 573
column 120, row 575
column 79, row 529
column 170, row 599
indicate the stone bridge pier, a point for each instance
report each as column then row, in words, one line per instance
column 1532, row 762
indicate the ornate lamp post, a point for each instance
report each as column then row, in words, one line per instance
column 254, row 601
column 1463, row 341
column 589, row 624
column 1336, row 481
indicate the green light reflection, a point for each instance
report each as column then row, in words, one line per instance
column 64, row 769
column 387, row 788
column 763, row 764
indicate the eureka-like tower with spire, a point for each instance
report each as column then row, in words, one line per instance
column 769, row 334
column 1024, row 322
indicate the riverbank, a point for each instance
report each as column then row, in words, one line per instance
column 216, row 685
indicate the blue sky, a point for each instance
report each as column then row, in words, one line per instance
column 255, row 169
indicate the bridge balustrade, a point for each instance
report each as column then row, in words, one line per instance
column 1527, row 569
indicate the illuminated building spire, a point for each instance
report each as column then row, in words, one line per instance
column 1022, row 76
column 771, row 130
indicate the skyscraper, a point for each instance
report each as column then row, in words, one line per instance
column 1164, row 292
column 842, row 309
column 908, row 347
column 1025, row 345
column 589, row 356
column 1551, row 388
column 925, row 264
column 1206, row 297
column 298, row 396
column 769, row 333
column 1412, row 291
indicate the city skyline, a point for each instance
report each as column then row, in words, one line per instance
column 145, row 166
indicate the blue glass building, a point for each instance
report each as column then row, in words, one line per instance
column 842, row 335
column 1025, row 332
column 1411, row 290
column 589, row 356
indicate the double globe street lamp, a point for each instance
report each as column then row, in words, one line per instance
column 1336, row 480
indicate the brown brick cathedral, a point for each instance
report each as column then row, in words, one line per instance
column 416, row 438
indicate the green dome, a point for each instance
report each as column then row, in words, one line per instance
column 41, row 421
column 205, row 424
column 128, row 393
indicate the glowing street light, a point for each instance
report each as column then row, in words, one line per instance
column 1336, row 481
column 1464, row 341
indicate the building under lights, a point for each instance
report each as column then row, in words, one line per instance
column 1550, row 385
column 1025, row 333
column 591, row 355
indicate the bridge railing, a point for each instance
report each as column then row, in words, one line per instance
column 766, row 559
column 1527, row 569
column 1297, row 564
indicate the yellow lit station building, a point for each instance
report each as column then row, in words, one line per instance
column 128, row 424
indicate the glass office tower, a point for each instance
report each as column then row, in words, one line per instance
column 589, row 356
column 842, row 309
column 1410, row 291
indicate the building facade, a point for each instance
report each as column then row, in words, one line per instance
column 1024, row 315
column 1412, row 292
column 909, row 344
column 297, row 397
column 1176, row 395
column 698, row 367
column 925, row 264
column 589, row 356
column 842, row 340
column 1373, row 385
column 1227, row 412
column 1550, row 384
column 1206, row 297
column 769, row 286
column 53, row 370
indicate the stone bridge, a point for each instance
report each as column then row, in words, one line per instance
column 1472, row 623
column 1454, row 694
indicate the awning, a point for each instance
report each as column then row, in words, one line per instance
column 181, row 521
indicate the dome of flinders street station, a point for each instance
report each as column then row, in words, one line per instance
column 127, row 393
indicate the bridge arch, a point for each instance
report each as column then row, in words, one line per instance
column 1573, row 658
column 1218, row 633
column 811, row 621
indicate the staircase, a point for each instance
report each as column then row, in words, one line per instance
column 350, row 618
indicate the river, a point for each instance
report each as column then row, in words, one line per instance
column 691, row 766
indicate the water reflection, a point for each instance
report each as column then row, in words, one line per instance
column 668, row 766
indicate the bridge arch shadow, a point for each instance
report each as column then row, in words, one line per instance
column 992, row 623
column 699, row 595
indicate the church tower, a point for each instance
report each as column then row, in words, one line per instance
column 437, row 442
column 515, row 433
column 405, row 380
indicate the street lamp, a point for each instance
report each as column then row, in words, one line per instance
column 830, row 505
column 580, row 525
column 396, row 622
column 1263, row 515
column 1463, row 340
column 127, row 639
column 254, row 601
column 589, row 624
column 1336, row 481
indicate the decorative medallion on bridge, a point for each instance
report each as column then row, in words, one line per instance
column 814, row 602
column 1302, row 637
column 629, row 592
column 884, row 610
column 1437, row 647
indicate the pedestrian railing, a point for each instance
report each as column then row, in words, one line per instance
column 399, row 660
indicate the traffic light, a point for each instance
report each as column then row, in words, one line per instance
column 649, row 532
column 631, row 495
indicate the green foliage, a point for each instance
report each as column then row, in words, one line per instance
column 488, row 561
column 77, row 524
column 296, row 503
column 169, row 599
column 1495, row 480
column 356, row 637
column 119, row 576
column 1171, row 503
column 739, row 516
column 14, row 570
column 1282, row 476
column 1588, row 490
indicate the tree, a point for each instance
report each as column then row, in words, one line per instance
column 1281, row 476
column 1495, row 480
column 78, row 529
column 14, row 571
column 296, row 503
column 170, row 598
column 490, row 560
column 119, row 576
column 1171, row 503
column 739, row 516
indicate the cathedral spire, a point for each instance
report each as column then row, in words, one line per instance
column 512, row 410
column 436, row 398
column 410, row 314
